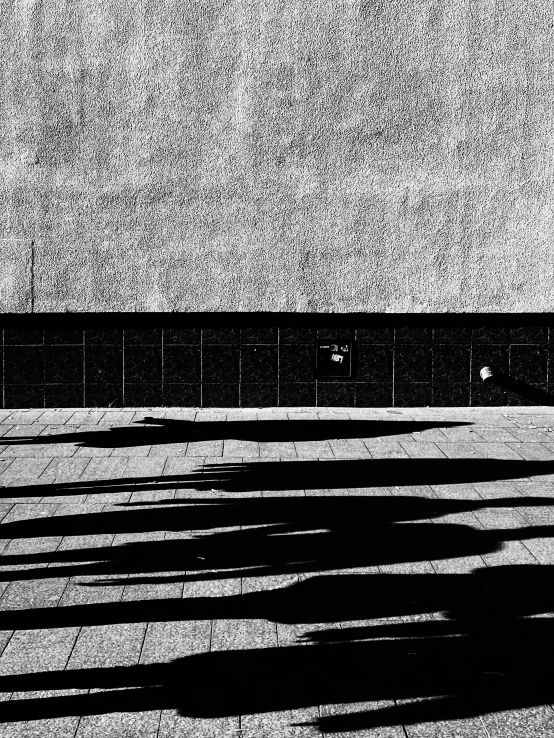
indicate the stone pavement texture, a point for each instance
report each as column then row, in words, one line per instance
column 277, row 572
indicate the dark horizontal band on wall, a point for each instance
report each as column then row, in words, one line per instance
column 255, row 360
column 84, row 320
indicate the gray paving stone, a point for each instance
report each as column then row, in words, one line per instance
column 120, row 725
column 284, row 449
column 111, row 468
column 106, row 646
column 164, row 450
column 166, row 641
column 456, row 450
column 62, row 470
column 31, row 651
column 534, row 721
column 468, row 728
column 4, row 464
column 23, row 417
column 532, row 451
column 24, row 468
column 204, row 448
column 388, row 449
column 349, row 448
column 234, row 447
column 86, row 417
column 28, row 512
column 422, row 450
column 80, row 592
column 33, row 593
column 128, row 451
column 176, row 726
column 313, row 449
column 24, row 431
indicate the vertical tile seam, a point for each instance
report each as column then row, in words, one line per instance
column 123, row 383
column 394, row 366
column 162, row 398
column 278, row 366
column 32, row 268
column 201, row 367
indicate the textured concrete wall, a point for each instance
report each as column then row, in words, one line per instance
column 283, row 155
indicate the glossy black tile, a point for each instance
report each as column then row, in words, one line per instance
column 259, row 394
column 340, row 334
column 23, row 395
column 135, row 337
column 413, row 363
column 220, row 336
column 181, row 364
column 182, row 395
column 536, row 334
column 373, row 394
column 490, row 334
column 495, row 356
column 451, row 362
column 104, row 337
column 451, row 394
column 142, row 395
column 142, row 364
column 550, row 371
column 336, row 394
column 452, row 335
column 23, row 364
column 258, row 363
column 23, row 338
column 413, row 394
column 103, row 364
column 223, row 394
column 413, row 334
column 293, row 394
column 296, row 363
column 63, row 395
column 220, row 363
column 259, row 335
column 375, row 335
column 181, row 336
column 65, row 338
column 374, row 363
column 490, row 395
column 63, row 364
column 297, row 335
column 529, row 363
column 104, row 395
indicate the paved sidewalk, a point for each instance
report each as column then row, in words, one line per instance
column 277, row 572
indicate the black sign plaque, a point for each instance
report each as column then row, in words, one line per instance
column 333, row 358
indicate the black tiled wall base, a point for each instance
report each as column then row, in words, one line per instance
column 256, row 366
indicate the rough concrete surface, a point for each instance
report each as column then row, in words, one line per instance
column 341, row 155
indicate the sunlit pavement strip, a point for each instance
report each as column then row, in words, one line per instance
column 277, row 572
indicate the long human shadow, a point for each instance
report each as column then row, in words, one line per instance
column 486, row 654
column 305, row 475
column 488, row 594
column 330, row 533
column 163, row 431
